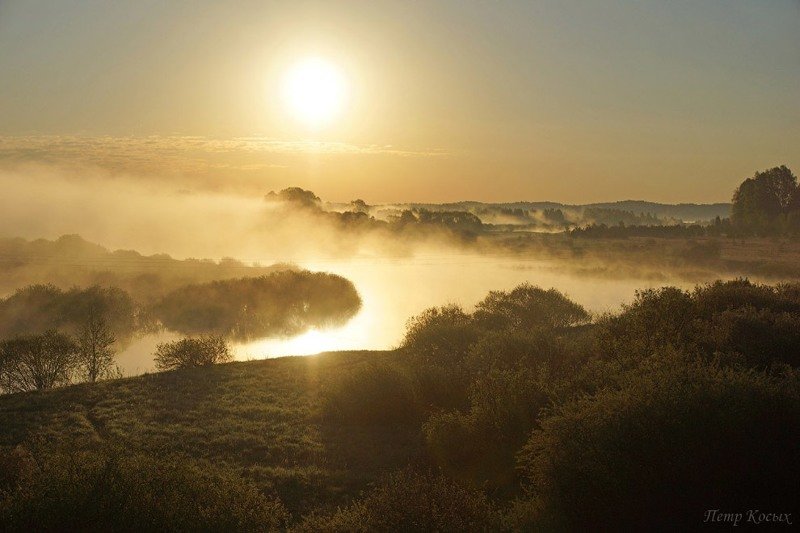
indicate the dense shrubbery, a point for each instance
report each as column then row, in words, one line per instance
column 681, row 401
column 481, row 378
column 410, row 501
column 192, row 352
column 110, row 489
column 757, row 323
column 677, row 438
column 372, row 394
column 282, row 303
column 37, row 308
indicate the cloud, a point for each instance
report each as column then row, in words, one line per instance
column 240, row 164
column 191, row 152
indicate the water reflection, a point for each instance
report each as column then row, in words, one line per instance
column 394, row 290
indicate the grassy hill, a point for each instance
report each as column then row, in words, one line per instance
column 259, row 419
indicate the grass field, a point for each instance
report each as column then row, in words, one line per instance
column 259, row 418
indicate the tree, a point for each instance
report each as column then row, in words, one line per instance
column 359, row 206
column 527, row 307
column 36, row 362
column 95, row 342
column 297, row 197
column 760, row 202
column 192, row 352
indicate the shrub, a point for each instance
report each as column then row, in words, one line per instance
column 440, row 335
column 726, row 295
column 410, row 501
column 504, row 350
column 36, row 362
column 527, row 307
column 113, row 490
column 479, row 446
column 656, row 318
column 762, row 337
column 677, row 439
column 192, row 352
column 371, row 394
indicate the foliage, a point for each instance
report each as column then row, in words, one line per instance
column 96, row 353
column 677, row 438
column 440, row 335
column 192, row 352
column 410, row 501
column 736, row 317
column 36, row 362
column 372, row 394
column 478, row 446
column 526, row 307
column 110, row 489
column 295, row 196
column 767, row 203
column 282, row 303
column 37, row 308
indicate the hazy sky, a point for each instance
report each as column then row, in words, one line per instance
column 566, row 100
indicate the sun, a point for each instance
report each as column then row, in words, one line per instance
column 314, row 91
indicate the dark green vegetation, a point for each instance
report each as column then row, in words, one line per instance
column 526, row 413
column 90, row 324
column 192, row 352
column 281, row 304
column 768, row 203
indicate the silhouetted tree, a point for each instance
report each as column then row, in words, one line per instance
column 192, row 352
column 95, row 342
column 36, row 362
column 760, row 202
column 296, row 196
column 359, row 206
column 526, row 307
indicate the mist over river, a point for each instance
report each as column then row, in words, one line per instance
column 394, row 290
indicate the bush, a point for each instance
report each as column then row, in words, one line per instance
column 757, row 322
column 410, row 501
column 479, row 446
column 527, row 307
column 676, row 439
column 188, row 353
column 112, row 490
column 283, row 303
column 762, row 337
column 522, row 349
column 726, row 295
column 440, row 335
column 36, row 362
column 370, row 394
column 656, row 318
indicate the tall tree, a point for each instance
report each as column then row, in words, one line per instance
column 95, row 342
column 761, row 202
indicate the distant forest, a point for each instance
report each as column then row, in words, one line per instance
column 765, row 205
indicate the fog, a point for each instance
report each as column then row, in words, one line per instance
column 396, row 274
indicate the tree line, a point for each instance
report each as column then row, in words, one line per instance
column 50, row 337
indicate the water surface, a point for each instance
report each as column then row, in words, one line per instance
column 393, row 290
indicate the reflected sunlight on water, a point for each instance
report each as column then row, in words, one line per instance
column 394, row 290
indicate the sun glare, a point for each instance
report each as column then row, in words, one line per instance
column 314, row 91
